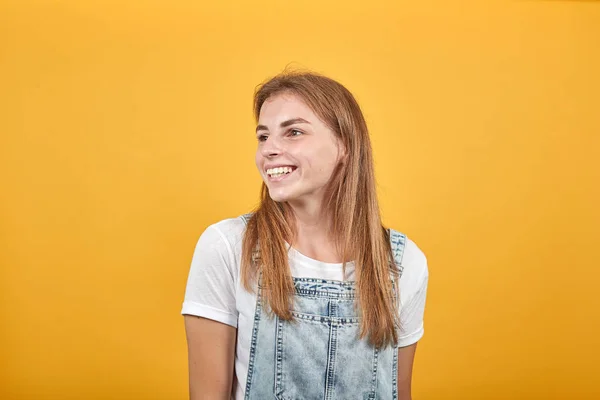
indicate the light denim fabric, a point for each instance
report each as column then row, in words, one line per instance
column 318, row 355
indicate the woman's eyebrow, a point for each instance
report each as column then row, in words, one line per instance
column 284, row 124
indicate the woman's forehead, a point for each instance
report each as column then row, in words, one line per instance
column 285, row 106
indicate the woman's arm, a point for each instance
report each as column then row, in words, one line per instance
column 413, row 294
column 406, row 356
column 211, row 353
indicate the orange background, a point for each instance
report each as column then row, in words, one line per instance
column 126, row 128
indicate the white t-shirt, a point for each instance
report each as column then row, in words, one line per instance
column 214, row 289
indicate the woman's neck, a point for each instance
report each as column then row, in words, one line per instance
column 313, row 235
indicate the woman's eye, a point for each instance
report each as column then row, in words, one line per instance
column 295, row 132
column 262, row 138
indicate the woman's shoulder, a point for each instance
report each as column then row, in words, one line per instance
column 230, row 230
column 221, row 242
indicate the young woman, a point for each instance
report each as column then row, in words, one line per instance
column 308, row 297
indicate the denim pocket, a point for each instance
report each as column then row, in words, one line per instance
column 301, row 358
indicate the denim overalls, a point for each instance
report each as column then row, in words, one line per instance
column 319, row 356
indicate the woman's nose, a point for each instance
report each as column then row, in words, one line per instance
column 271, row 147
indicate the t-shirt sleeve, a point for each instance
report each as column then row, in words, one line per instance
column 210, row 290
column 412, row 308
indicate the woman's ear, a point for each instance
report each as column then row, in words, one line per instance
column 343, row 153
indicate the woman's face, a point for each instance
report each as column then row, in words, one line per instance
column 296, row 153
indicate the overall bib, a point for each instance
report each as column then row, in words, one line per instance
column 319, row 355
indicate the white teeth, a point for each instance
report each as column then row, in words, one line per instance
column 274, row 172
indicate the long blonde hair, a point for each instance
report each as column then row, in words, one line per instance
column 350, row 200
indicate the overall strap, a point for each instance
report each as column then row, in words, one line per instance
column 256, row 253
column 246, row 218
column 398, row 242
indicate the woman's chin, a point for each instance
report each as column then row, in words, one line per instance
column 279, row 195
column 279, row 198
